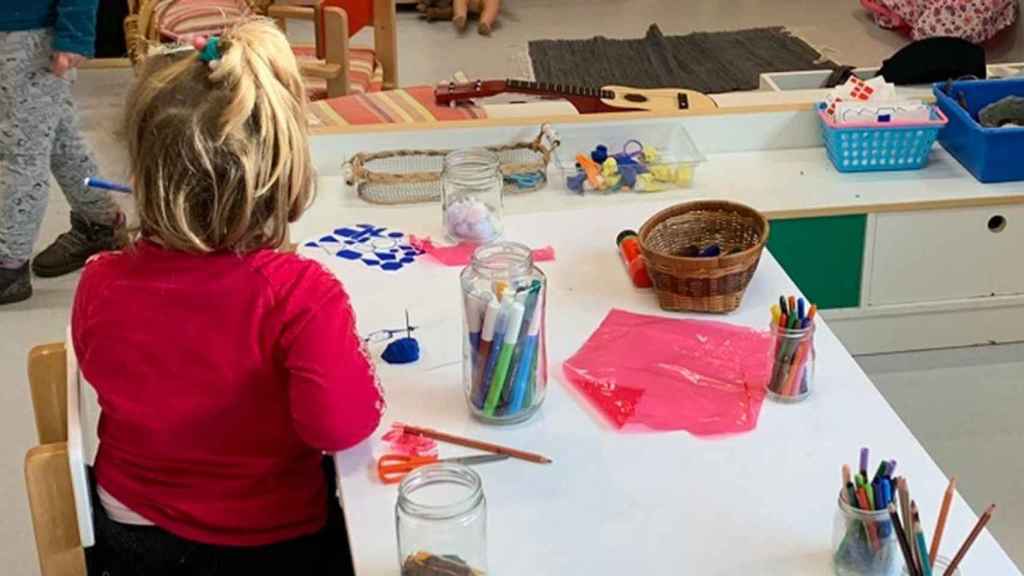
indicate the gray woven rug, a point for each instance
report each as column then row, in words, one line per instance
column 709, row 62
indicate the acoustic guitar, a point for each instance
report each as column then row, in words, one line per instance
column 586, row 100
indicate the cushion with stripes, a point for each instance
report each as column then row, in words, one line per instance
column 365, row 72
column 176, row 18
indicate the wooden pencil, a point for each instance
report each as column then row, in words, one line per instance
column 908, row 526
column 908, row 556
column 940, row 523
column 970, row 540
column 477, row 444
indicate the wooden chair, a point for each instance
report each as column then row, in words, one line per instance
column 343, row 68
column 47, row 470
column 331, row 66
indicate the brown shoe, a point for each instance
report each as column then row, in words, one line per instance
column 15, row 284
column 71, row 249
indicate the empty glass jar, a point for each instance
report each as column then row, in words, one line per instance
column 504, row 347
column 441, row 517
column 471, row 195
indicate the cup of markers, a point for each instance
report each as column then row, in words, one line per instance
column 792, row 328
column 504, row 357
column 864, row 537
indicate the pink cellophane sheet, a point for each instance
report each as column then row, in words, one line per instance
column 462, row 253
column 667, row 374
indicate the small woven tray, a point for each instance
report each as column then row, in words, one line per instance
column 703, row 284
column 411, row 176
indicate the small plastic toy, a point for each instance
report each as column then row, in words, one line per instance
column 636, row 167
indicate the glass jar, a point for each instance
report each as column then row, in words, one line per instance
column 504, row 361
column 471, row 195
column 793, row 370
column 441, row 519
column 939, row 567
column 864, row 543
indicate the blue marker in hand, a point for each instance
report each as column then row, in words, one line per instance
column 102, row 184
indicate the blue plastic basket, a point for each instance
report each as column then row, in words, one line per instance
column 991, row 154
column 876, row 147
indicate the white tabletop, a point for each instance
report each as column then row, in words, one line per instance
column 613, row 503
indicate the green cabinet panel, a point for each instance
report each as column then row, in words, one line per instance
column 824, row 256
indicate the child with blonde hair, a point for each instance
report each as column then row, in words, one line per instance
column 224, row 367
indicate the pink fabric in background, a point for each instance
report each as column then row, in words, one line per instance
column 973, row 20
column 409, row 444
column 460, row 254
column 666, row 374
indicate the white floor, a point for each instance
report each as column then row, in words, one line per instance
column 963, row 404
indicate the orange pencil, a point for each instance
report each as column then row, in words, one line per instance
column 970, row 540
column 940, row 524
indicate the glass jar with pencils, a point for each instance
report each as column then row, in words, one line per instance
column 793, row 371
column 504, row 346
column 471, row 195
column 864, row 543
column 441, row 522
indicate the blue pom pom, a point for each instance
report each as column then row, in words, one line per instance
column 575, row 182
column 402, row 351
column 600, row 154
column 628, row 173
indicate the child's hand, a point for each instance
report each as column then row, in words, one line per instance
column 64, row 61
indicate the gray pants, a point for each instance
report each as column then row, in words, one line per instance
column 39, row 134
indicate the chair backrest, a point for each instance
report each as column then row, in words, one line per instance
column 48, row 380
column 56, row 400
column 52, row 504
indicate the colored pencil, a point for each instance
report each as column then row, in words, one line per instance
column 908, row 527
column 970, row 540
column 922, row 546
column 476, row 444
column 940, row 524
column 908, row 556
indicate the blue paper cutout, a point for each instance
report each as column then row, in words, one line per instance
column 329, row 240
column 374, row 246
column 349, row 254
column 391, row 266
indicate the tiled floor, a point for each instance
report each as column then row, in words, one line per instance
column 963, row 405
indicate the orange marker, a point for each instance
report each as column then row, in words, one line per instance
column 629, row 248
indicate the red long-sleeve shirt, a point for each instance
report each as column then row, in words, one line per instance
column 221, row 378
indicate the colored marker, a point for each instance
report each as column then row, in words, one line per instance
column 522, row 371
column 499, row 335
column 483, row 354
column 530, row 301
column 475, row 309
column 102, row 184
column 776, row 314
column 864, row 454
column 800, row 308
column 792, row 305
column 783, row 306
column 504, row 358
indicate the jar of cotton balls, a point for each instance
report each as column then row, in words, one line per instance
column 471, row 195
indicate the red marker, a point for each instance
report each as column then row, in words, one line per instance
column 629, row 247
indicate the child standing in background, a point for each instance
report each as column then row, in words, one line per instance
column 40, row 42
column 223, row 366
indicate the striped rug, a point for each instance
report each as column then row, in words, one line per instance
column 405, row 106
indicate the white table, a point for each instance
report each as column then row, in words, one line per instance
column 612, row 504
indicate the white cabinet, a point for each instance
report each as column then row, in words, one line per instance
column 951, row 254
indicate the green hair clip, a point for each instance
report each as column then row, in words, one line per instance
column 211, row 52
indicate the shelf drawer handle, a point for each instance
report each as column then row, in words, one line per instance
column 997, row 223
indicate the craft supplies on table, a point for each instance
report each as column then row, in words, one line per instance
column 874, row 146
column 649, row 159
column 669, row 374
column 441, row 522
column 990, row 154
column 471, row 443
column 628, row 243
column 376, row 247
column 701, row 255
column 792, row 328
column 471, row 195
column 409, row 175
column 504, row 347
column 391, row 468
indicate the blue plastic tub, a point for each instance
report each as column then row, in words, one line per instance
column 991, row 154
column 876, row 147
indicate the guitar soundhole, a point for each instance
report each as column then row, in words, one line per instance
column 635, row 98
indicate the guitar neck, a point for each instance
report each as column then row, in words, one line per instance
column 548, row 89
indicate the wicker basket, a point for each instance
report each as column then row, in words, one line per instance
column 411, row 176
column 703, row 284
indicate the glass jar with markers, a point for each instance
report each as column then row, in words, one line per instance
column 504, row 348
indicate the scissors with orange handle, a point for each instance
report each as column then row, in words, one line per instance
column 391, row 468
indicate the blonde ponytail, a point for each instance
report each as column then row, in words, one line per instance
column 219, row 150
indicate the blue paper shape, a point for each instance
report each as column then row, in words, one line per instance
column 349, row 254
column 369, row 262
column 385, row 256
column 311, row 244
column 391, row 266
column 408, row 260
column 329, row 240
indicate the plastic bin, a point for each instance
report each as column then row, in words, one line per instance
column 874, row 147
column 990, row 154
